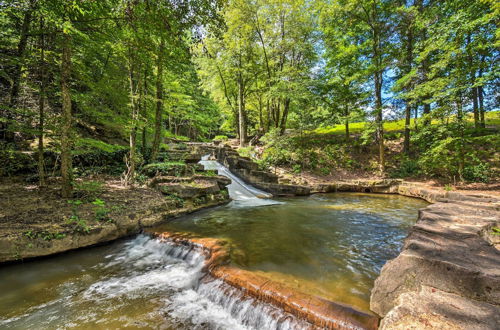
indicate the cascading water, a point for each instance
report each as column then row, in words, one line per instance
column 143, row 283
column 241, row 193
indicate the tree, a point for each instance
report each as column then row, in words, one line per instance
column 366, row 27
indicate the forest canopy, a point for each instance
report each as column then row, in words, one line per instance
column 114, row 75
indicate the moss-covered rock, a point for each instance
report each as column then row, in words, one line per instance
column 166, row 168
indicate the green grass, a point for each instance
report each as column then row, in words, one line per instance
column 492, row 118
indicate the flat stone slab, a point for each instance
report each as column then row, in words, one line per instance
column 431, row 308
column 447, row 275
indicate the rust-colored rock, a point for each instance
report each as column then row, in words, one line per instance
column 320, row 313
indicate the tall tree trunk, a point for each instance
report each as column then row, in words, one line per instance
column 241, row 112
column 408, row 66
column 159, row 102
column 480, row 95
column 406, row 145
column 16, row 76
column 475, row 107
column 378, row 75
column 132, row 159
column 66, row 162
column 461, row 150
column 144, row 110
column 379, row 120
column 286, row 109
column 427, row 111
column 41, row 114
column 346, row 114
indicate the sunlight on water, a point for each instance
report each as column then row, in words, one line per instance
column 333, row 245
column 328, row 245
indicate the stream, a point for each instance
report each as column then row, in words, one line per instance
column 330, row 245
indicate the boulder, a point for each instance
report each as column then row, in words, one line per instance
column 449, row 250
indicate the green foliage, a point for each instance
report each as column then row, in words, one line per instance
column 407, row 167
column 79, row 225
column 88, row 190
column 166, row 168
column 101, row 211
column 220, row 138
column 246, row 151
column 480, row 172
column 15, row 162
column 88, row 145
column 176, row 199
column 443, row 154
column 44, row 235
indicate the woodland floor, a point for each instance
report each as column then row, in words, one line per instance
column 27, row 209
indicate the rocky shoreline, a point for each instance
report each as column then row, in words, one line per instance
column 136, row 209
column 318, row 312
column 447, row 275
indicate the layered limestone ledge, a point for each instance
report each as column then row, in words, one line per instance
column 18, row 245
column 447, row 275
column 320, row 313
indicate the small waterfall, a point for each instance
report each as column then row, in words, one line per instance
column 191, row 297
column 241, row 193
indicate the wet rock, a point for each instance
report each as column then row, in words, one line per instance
column 189, row 190
column 278, row 189
column 320, row 313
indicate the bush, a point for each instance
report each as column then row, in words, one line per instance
column 166, row 168
column 88, row 189
column 407, row 167
column 477, row 173
column 16, row 162
column 220, row 138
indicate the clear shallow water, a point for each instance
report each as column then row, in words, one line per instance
column 333, row 245
column 330, row 245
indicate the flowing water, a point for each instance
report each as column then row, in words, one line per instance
column 331, row 245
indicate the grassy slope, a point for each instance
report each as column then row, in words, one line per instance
column 492, row 119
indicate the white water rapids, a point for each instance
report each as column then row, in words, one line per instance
column 241, row 193
column 142, row 283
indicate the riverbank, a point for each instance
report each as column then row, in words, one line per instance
column 448, row 272
column 36, row 222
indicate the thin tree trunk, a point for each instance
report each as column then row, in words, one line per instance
column 132, row 159
column 16, row 77
column 461, row 151
column 241, row 112
column 379, row 120
column 475, row 107
column 346, row 114
column 41, row 115
column 144, row 110
column 286, row 108
column 378, row 95
column 480, row 95
column 159, row 102
column 427, row 111
column 406, row 145
column 66, row 162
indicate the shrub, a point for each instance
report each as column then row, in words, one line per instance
column 477, row 173
column 407, row 167
column 88, row 189
column 166, row 168
column 220, row 138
